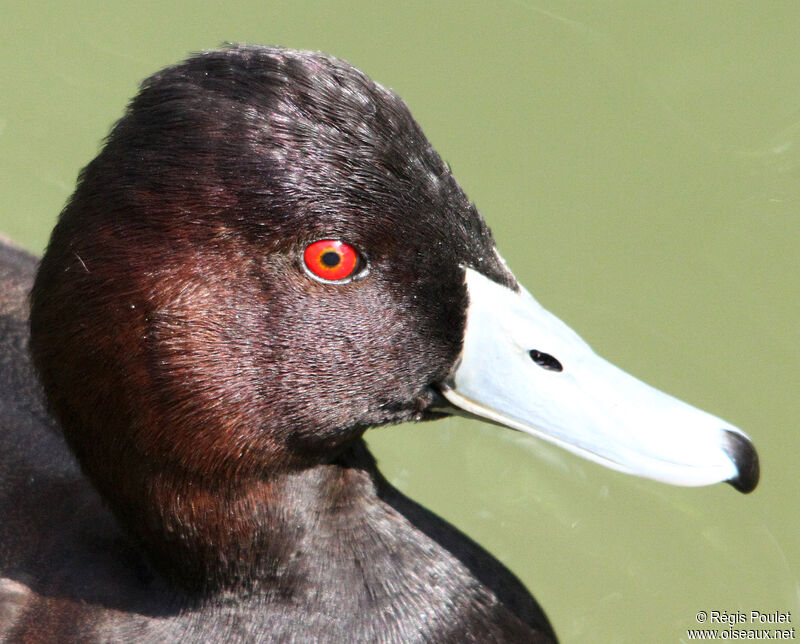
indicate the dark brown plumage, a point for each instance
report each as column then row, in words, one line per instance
column 215, row 397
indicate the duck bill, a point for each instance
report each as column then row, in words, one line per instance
column 522, row 367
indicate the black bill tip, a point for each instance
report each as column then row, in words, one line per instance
column 744, row 456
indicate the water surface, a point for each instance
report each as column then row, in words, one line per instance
column 639, row 164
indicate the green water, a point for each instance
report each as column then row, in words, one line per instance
column 639, row 163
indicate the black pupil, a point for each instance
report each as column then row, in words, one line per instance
column 545, row 360
column 330, row 258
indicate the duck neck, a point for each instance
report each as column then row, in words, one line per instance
column 260, row 535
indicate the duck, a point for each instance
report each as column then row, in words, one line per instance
column 266, row 259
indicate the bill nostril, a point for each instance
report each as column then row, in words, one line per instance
column 545, row 360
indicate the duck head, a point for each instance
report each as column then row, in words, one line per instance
column 268, row 257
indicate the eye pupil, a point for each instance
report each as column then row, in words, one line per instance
column 330, row 259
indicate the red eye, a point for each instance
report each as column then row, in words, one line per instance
column 331, row 260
